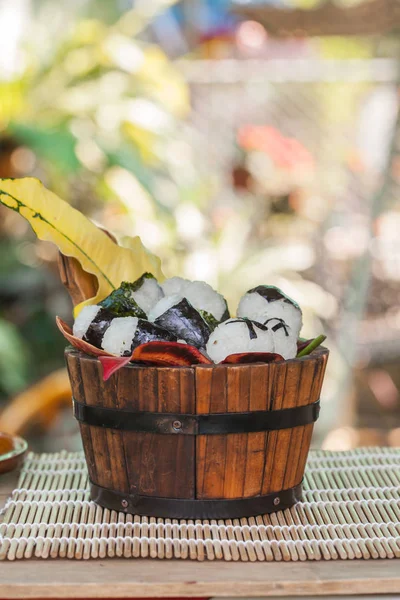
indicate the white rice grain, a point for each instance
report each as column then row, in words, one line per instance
column 83, row 320
column 233, row 337
column 148, row 294
column 257, row 308
column 162, row 306
column 119, row 335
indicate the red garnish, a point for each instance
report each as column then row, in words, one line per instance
column 111, row 364
column 77, row 342
column 159, row 354
column 169, row 354
column 251, row 357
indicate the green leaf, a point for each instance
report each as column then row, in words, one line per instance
column 311, row 346
column 13, row 359
column 55, row 145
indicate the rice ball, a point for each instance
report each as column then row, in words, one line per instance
column 200, row 295
column 127, row 333
column 176, row 314
column 84, row 319
column 267, row 301
column 237, row 336
column 146, row 292
column 285, row 342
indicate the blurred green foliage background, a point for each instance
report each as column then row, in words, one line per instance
column 237, row 158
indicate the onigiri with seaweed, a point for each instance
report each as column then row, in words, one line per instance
column 91, row 324
column 208, row 302
column 236, row 336
column 117, row 335
column 192, row 312
column 285, row 339
column 269, row 302
column 127, row 333
column 176, row 314
column 134, row 299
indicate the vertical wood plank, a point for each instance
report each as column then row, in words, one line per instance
column 130, row 382
column 203, row 393
column 159, row 465
column 211, row 396
column 115, row 439
column 176, row 470
column 144, row 463
column 238, row 386
column 283, row 436
column 295, row 449
column 185, row 453
column 315, row 394
column 260, row 381
column 75, row 377
column 92, row 384
column 231, row 466
column 215, row 466
column 277, row 402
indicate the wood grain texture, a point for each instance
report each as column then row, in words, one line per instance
column 75, row 376
column 307, row 430
column 159, row 465
column 234, row 465
column 296, row 383
column 290, row 378
column 304, row 395
column 136, row 387
column 260, row 398
column 131, row 462
column 146, row 578
column 104, row 448
column 277, row 401
column 238, row 400
column 79, row 284
column 211, row 396
column 376, row 17
column 206, row 466
column 94, row 395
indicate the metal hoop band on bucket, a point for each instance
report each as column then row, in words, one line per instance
column 173, row 508
column 187, row 424
column 205, row 442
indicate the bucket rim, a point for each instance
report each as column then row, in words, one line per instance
column 321, row 351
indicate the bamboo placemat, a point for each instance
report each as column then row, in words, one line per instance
column 351, row 509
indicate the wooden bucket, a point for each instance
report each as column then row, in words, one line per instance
column 219, row 441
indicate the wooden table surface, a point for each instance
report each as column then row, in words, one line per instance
column 139, row 578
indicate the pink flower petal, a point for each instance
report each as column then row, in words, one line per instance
column 111, row 364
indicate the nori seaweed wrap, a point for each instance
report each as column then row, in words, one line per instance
column 146, row 292
column 207, row 301
column 126, row 333
column 121, row 302
column 98, row 326
column 266, row 302
column 177, row 315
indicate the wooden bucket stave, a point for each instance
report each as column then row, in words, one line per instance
column 184, row 473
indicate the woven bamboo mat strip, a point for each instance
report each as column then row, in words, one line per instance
column 351, row 509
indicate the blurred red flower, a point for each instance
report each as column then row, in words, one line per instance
column 287, row 153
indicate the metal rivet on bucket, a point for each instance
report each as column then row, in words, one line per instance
column 124, row 503
column 277, row 501
column 177, row 425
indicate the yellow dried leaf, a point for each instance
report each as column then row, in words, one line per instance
column 56, row 221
